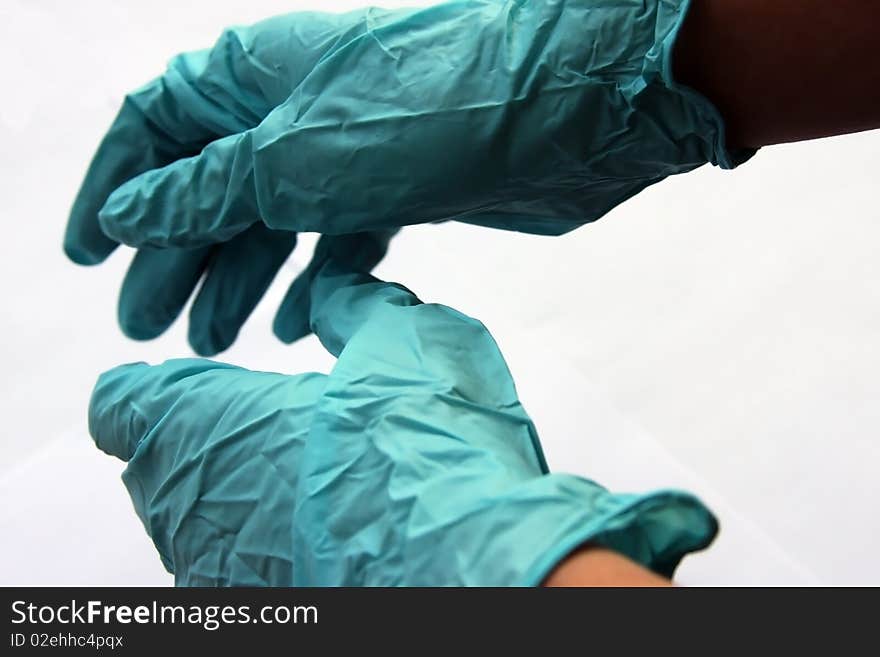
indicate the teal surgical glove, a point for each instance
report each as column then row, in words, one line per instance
column 411, row 463
column 524, row 115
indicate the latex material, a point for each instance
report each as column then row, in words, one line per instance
column 411, row 463
column 523, row 115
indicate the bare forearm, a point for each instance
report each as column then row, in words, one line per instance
column 784, row 70
column 597, row 566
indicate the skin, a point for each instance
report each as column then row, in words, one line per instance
column 598, row 566
column 784, row 70
column 779, row 71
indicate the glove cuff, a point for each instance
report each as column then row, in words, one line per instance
column 536, row 526
column 658, row 65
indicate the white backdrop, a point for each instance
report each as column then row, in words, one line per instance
column 719, row 332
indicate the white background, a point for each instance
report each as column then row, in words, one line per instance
column 718, row 333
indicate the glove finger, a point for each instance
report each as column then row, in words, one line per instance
column 343, row 301
column 151, row 130
column 291, row 322
column 203, row 96
column 129, row 400
column 132, row 145
column 190, row 203
column 156, row 288
column 384, row 330
column 213, row 457
column 190, row 401
column 419, row 385
column 361, row 251
column 240, row 272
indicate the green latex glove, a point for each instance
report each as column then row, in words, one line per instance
column 524, row 115
column 411, row 463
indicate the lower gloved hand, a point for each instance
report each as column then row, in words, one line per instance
column 411, row 463
column 529, row 116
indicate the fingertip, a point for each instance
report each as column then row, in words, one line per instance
column 141, row 323
column 127, row 401
column 291, row 328
column 155, row 290
column 338, row 261
column 342, row 301
column 85, row 243
column 291, row 321
column 192, row 202
column 240, row 272
column 208, row 338
column 132, row 327
column 116, row 215
column 79, row 255
column 115, row 424
column 204, row 348
column 134, row 214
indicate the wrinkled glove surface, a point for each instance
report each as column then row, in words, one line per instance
column 411, row 463
column 535, row 116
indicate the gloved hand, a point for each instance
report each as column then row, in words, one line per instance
column 529, row 116
column 411, row 463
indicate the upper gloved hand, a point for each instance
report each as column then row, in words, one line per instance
column 411, row 463
column 530, row 116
